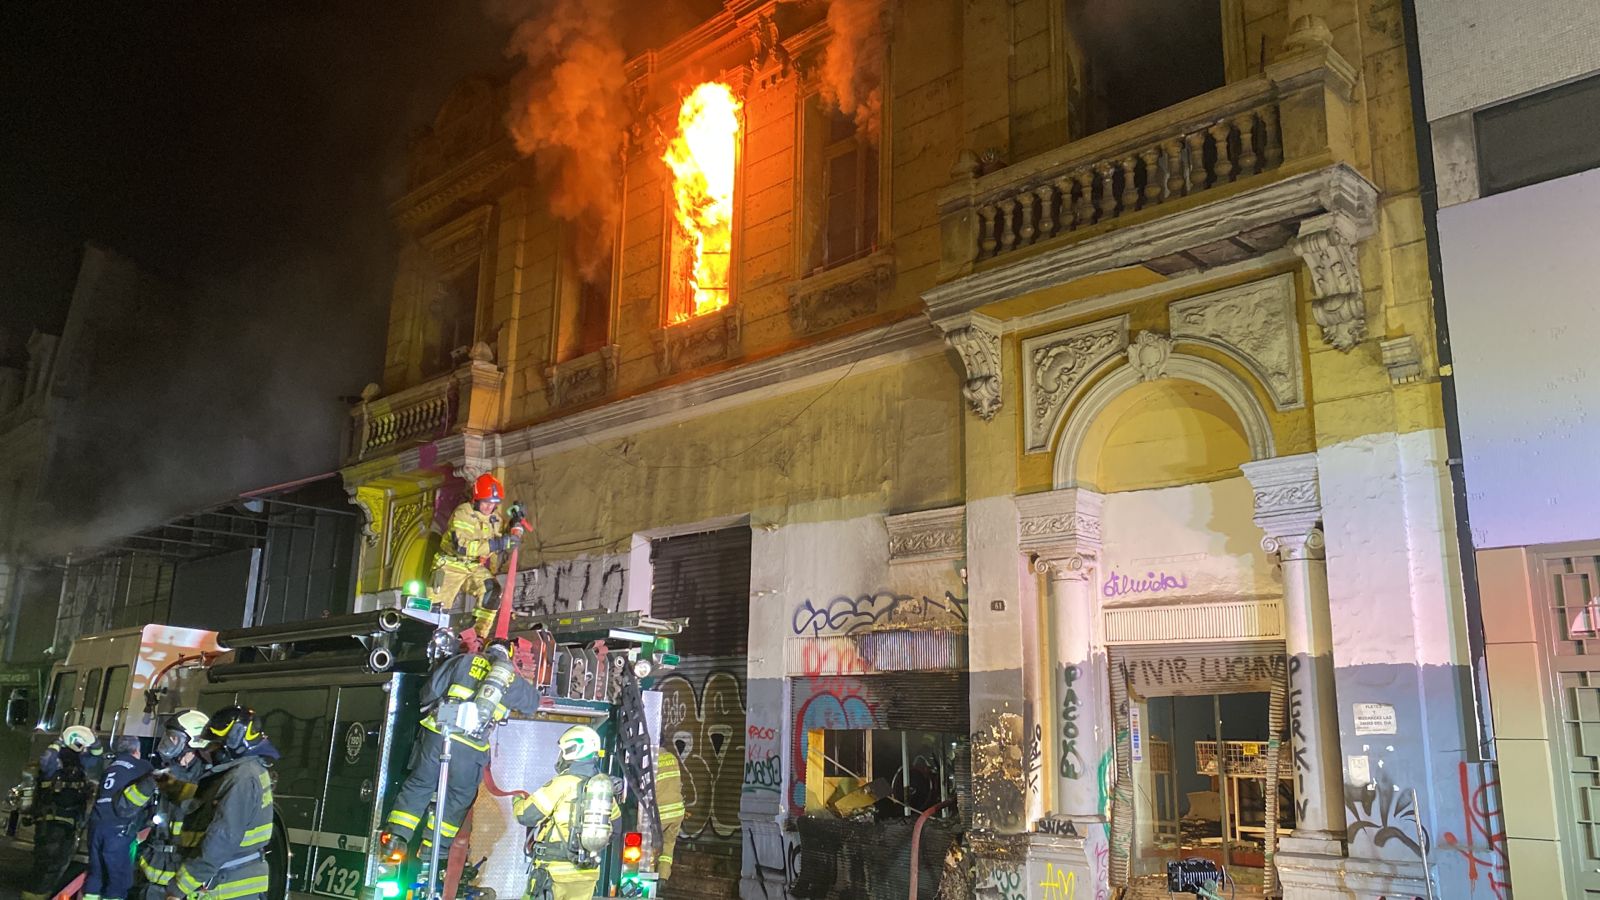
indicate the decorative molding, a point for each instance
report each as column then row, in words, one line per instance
column 1327, row 243
column 463, row 179
column 699, row 341
column 589, row 377
column 1402, row 358
column 1056, row 365
column 976, row 339
column 1063, row 528
column 1148, row 355
column 1233, row 390
column 838, row 295
column 368, row 516
column 1335, row 189
column 928, row 535
column 1078, row 565
column 1288, row 504
column 460, row 240
column 1254, row 324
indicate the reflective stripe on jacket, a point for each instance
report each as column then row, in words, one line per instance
column 466, row 541
column 458, row 679
column 223, row 838
column 125, row 792
column 669, row 787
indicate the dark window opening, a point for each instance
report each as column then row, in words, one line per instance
column 1538, row 138
column 894, row 773
column 58, row 705
column 1140, row 56
column 584, row 304
column 843, row 168
column 452, row 314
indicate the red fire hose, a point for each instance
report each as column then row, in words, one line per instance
column 916, row 841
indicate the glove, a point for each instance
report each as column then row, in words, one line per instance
column 504, row 543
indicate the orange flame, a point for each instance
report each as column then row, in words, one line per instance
column 701, row 158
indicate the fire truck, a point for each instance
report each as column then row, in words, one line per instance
column 339, row 699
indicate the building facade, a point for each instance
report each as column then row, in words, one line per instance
column 1054, row 447
column 1516, row 177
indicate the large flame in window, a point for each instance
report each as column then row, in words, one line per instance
column 701, row 158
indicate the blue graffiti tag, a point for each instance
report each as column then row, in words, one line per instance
column 848, row 615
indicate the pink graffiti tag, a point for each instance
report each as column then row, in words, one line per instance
column 1483, row 838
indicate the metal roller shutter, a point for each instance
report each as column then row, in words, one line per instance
column 1176, row 670
column 706, row 578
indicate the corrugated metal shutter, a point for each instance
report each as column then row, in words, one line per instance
column 706, row 578
column 897, row 701
column 1180, row 670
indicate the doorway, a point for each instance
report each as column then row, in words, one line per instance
column 1201, row 777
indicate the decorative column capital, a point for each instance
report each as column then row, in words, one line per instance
column 1288, row 504
column 1062, row 528
column 976, row 339
column 1327, row 244
column 1074, row 566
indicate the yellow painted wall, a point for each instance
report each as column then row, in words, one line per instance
column 1162, row 433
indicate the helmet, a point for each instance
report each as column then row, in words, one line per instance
column 192, row 724
column 487, row 487
column 580, row 742
column 77, row 738
column 234, row 731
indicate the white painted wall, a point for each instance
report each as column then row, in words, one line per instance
column 1479, row 52
column 1198, row 541
column 1522, row 274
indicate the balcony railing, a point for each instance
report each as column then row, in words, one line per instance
column 466, row 399
column 1298, row 110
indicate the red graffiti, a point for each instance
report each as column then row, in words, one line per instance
column 1483, row 837
column 760, row 733
column 837, row 660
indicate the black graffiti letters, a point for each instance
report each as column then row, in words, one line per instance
column 1071, row 761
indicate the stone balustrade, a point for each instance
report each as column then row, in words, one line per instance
column 466, row 399
column 1296, row 112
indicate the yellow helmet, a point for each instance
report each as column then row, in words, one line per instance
column 579, row 742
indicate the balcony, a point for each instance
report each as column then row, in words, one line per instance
column 466, row 400
column 1228, row 174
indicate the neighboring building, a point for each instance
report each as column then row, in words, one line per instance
column 1087, row 415
column 1512, row 102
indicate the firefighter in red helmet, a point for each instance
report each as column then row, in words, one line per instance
column 476, row 540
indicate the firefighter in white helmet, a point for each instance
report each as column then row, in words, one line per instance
column 69, row 769
column 569, row 820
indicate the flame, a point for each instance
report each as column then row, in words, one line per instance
column 701, row 158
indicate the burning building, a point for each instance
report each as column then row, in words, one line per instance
column 997, row 388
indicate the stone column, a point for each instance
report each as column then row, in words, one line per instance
column 1288, row 509
column 1308, row 26
column 1062, row 530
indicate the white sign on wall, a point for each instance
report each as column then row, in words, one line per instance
column 1375, row 718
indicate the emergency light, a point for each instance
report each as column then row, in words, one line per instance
column 632, row 848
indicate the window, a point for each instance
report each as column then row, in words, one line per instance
column 702, row 160
column 583, row 302
column 1135, row 57
column 91, row 696
column 452, row 316
column 895, row 773
column 841, row 184
column 113, row 699
column 58, row 705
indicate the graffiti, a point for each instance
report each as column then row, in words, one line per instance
column 835, row 704
column 761, row 733
column 765, row 774
column 833, row 658
column 1152, row 583
column 883, row 610
column 1298, row 745
column 1034, row 758
column 1058, row 884
column 1142, row 674
column 1483, row 837
column 1003, row 883
column 570, row 584
column 1058, row 827
column 1101, row 864
column 998, row 781
column 1108, row 776
column 707, row 729
column 775, row 881
column 1071, row 761
column 1379, row 815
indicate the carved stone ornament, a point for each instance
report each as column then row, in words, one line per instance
column 589, row 377
column 1288, row 502
column 1149, row 354
column 930, row 534
column 1055, row 366
column 839, row 295
column 1060, row 524
column 976, row 339
column 701, row 340
column 1327, row 243
column 1402, row 358
column 1256, row 325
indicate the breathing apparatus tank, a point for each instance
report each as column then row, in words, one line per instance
column 590, row 833
column 494, row 685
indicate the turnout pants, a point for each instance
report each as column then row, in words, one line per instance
column 53, row 843
column 415, row 795
column 110, row 863
column 556, row 880
column 452, row 577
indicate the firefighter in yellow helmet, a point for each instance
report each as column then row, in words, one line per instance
column 570, row 820
column 225, row 835
column 478, row 535
column 669, row 806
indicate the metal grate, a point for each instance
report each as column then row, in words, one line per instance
column 1243, row 758
column 1240, row 620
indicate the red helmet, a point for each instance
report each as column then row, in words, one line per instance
column 487, row 487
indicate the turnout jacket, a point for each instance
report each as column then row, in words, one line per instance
column 159, row 853
column 125, row 794
column 466, row 542
column 227, row 831
column 458, row 679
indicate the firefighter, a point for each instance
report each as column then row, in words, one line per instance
column 60, row 804
column 119, row 812
column 561, row 869
column 178, row 771
column 468, row 546
column 226, row 833
column 669, row 807
column 459, row 694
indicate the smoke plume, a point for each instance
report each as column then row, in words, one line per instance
column 570, row 111
column 852, row 64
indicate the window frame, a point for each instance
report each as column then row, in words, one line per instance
column 813, row 165
column 53, row 701
column 101, row 709
column 569, row 299
column 444, row 254
column 669, row 220
column 92, row 683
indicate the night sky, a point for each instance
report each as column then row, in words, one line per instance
column 248, row 152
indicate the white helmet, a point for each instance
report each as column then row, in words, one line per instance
column 191, row 722
column 77, row 738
